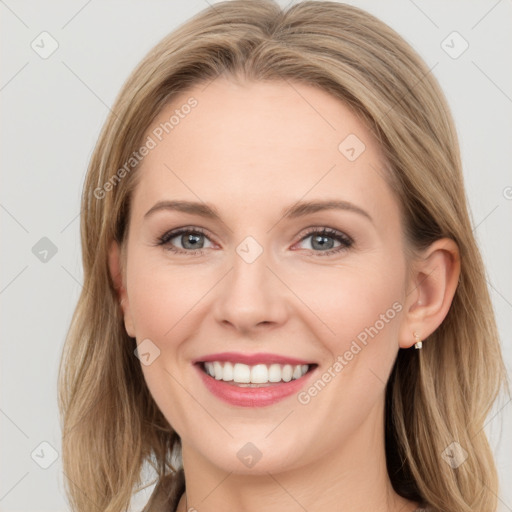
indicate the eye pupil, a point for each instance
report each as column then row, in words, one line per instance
column 192, row 239
column 325, row 242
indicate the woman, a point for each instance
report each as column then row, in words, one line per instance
column 284, row 306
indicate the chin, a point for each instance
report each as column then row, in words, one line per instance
column 252, row 457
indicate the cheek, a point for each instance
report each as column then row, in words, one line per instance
column 349, row 300
column 164, row 300
column 162, row 295
column 152, row 301
column 362, row 309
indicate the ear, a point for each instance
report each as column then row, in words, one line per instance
column 431, row 287
column 117, row 274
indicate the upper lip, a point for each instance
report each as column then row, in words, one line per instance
column 251, row 359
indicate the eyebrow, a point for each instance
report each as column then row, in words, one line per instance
column 299, row 209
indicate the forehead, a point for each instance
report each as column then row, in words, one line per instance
column 248, row 140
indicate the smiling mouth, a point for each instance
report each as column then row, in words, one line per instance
column 254, row 376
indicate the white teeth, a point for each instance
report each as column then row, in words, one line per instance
column 217, row 370
column 227, row 372
column 274, row 373
column 241, row 373
column 287, row 372
column 209, row 369
column 258, row 374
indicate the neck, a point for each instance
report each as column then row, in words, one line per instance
column 351, row 477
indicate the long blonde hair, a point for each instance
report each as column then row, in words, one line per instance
column 111, row 426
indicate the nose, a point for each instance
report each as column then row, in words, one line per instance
column 252, row 297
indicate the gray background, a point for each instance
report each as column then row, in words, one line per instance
column 53, row 110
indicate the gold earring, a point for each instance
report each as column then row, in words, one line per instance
column 418, row 343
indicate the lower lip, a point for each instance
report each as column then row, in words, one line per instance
column 252, row 397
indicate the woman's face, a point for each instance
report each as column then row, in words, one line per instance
column 260, row 277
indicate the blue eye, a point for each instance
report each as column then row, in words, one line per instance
column 324, row 240
column 192, row 241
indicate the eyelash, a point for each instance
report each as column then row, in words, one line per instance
column 345, row 241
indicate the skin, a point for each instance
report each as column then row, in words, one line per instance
column 251, row 149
